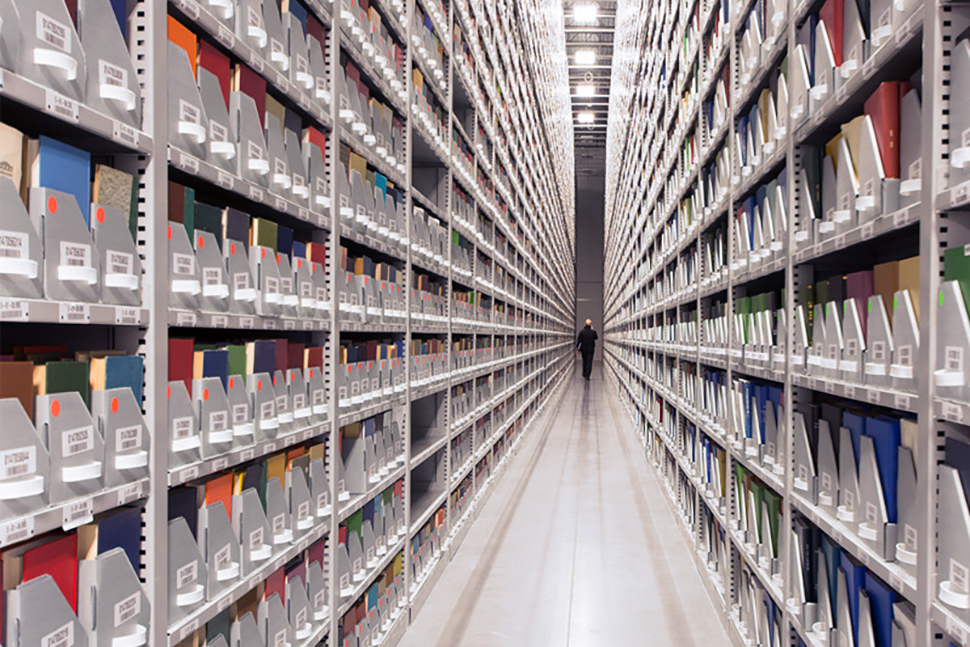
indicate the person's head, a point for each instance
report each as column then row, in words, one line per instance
column 589, row 322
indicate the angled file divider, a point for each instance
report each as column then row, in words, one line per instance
column 185, row 290
column 72, row 268
column 281, row 182
column 111, row 603
column 298, row 612
column 187, row 123
column 221, row 148
column 26, row 460
column 245, row 632
column 906, row 536
column 36, row 611
column 953, row 543
column 271, row 619
column 22, row 265
column 209, row 259
column 252, row 158
column 75, row 444
column 186, row 438
column 10, row 40
column 187, row 576
column 214, row 415
column 243, row 284
column 126, row 438
column 118, row 255
column 220, row 548
column 252, row 530
column 112, row 85
column 263, row 398
column 50, row 51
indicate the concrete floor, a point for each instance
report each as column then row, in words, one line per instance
column 576, row 547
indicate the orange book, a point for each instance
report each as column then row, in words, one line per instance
column 186, row 39
column 220, row 489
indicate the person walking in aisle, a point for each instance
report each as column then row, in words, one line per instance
column 586, row 344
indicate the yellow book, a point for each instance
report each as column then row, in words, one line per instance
column 276, row 468
column 852, row 132
column 909, row 279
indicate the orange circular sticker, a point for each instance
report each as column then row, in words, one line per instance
column 100, row 214
column 114, row 405
column 52, row 204
column 205, row 395
column 56, row 408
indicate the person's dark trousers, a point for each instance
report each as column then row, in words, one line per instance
column 587, row 364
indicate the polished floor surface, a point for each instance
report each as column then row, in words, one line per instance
column 577, row 546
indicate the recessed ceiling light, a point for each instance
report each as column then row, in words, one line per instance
column 585, row 57
column 585, row 117
column 585, row 12
column 585, row 91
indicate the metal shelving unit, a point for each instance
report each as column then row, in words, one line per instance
column 658, row 367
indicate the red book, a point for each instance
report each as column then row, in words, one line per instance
column 883, row 108
column 317, row 553
column 295, row 355
column 832, row 14
column 216, row 62
column 246, row 80
column 282, row 355
column 276, row 583
column 316, row 138
column 313, row 357
column 180, row 361
column 315, row 29
column 317, row 252
column 56, row 558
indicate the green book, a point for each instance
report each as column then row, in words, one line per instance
column 237, row 359
column 209, row 218
column 264, row 233
column 189, row 212
column 956, row 267
column 63, row 377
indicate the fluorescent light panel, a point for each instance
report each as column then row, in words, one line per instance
column 586, row 12
column 585, row 117
column 585, row 90
column 585, row 57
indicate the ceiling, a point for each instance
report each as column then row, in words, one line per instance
column 591, row 38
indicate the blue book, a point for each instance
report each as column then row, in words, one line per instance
column 299, row 12
column 215, row 363
column 855, row 575
column 885, row 435
column 881, row 600
column 121, row 529
column 65, row 168
column 856, row 425
column 125, row 371
column 832, row 553
column 299, row 249
column 284, row 239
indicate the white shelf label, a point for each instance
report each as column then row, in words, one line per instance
column 127, row 316
column 14, row 310
column 17, row 530
column 63, row 107
column 125, row 134
column 130, row 493
column 74, row 312
column 77, row 514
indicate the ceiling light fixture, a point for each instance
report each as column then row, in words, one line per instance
column 585, row 117
column 585, row 57
column 586, row 13
column 585, row 91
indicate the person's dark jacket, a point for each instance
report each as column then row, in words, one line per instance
column 586, row 340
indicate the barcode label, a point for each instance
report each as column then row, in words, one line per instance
column 129, row 493
column 255, row 193
column 56, row 34
column 286, row 284
column 879, row 351
column 75, row 254
column 189, row 113
column 240, row 280
column 183, row 264
column 128, row 438
column 909, row 534
column 958, row 577
column 906, row 355
column 77, row 513
column 118, row 262
column 272, row 285
column 916, row 170
column 871, row 512
column 219, row 420
column 240, row 413
column 187, row 574
column 74, row 312
column 303, row 510
column 256, row 539
column 77, row 441
column 279, row 523
column 267, row 409
column 299, row 400
column 14, row 244
column 211, row 276
column 220, row 321
column 954, row 359
column 279, row 640
column 219, row 464
column 320, row 599
column 17, row 530
column 255, row 152
column 319, row 396
column 189, row 474
column 226, row 180
column 13, row 310
column 125, row 134
column 189, row 163
column 182, row 428
column 127, row 609
column 18, row 462
column 952, row 411
column 222, row 557
column 247, row 455
column 112, row 74
column 901, row 401
column 62, row 637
